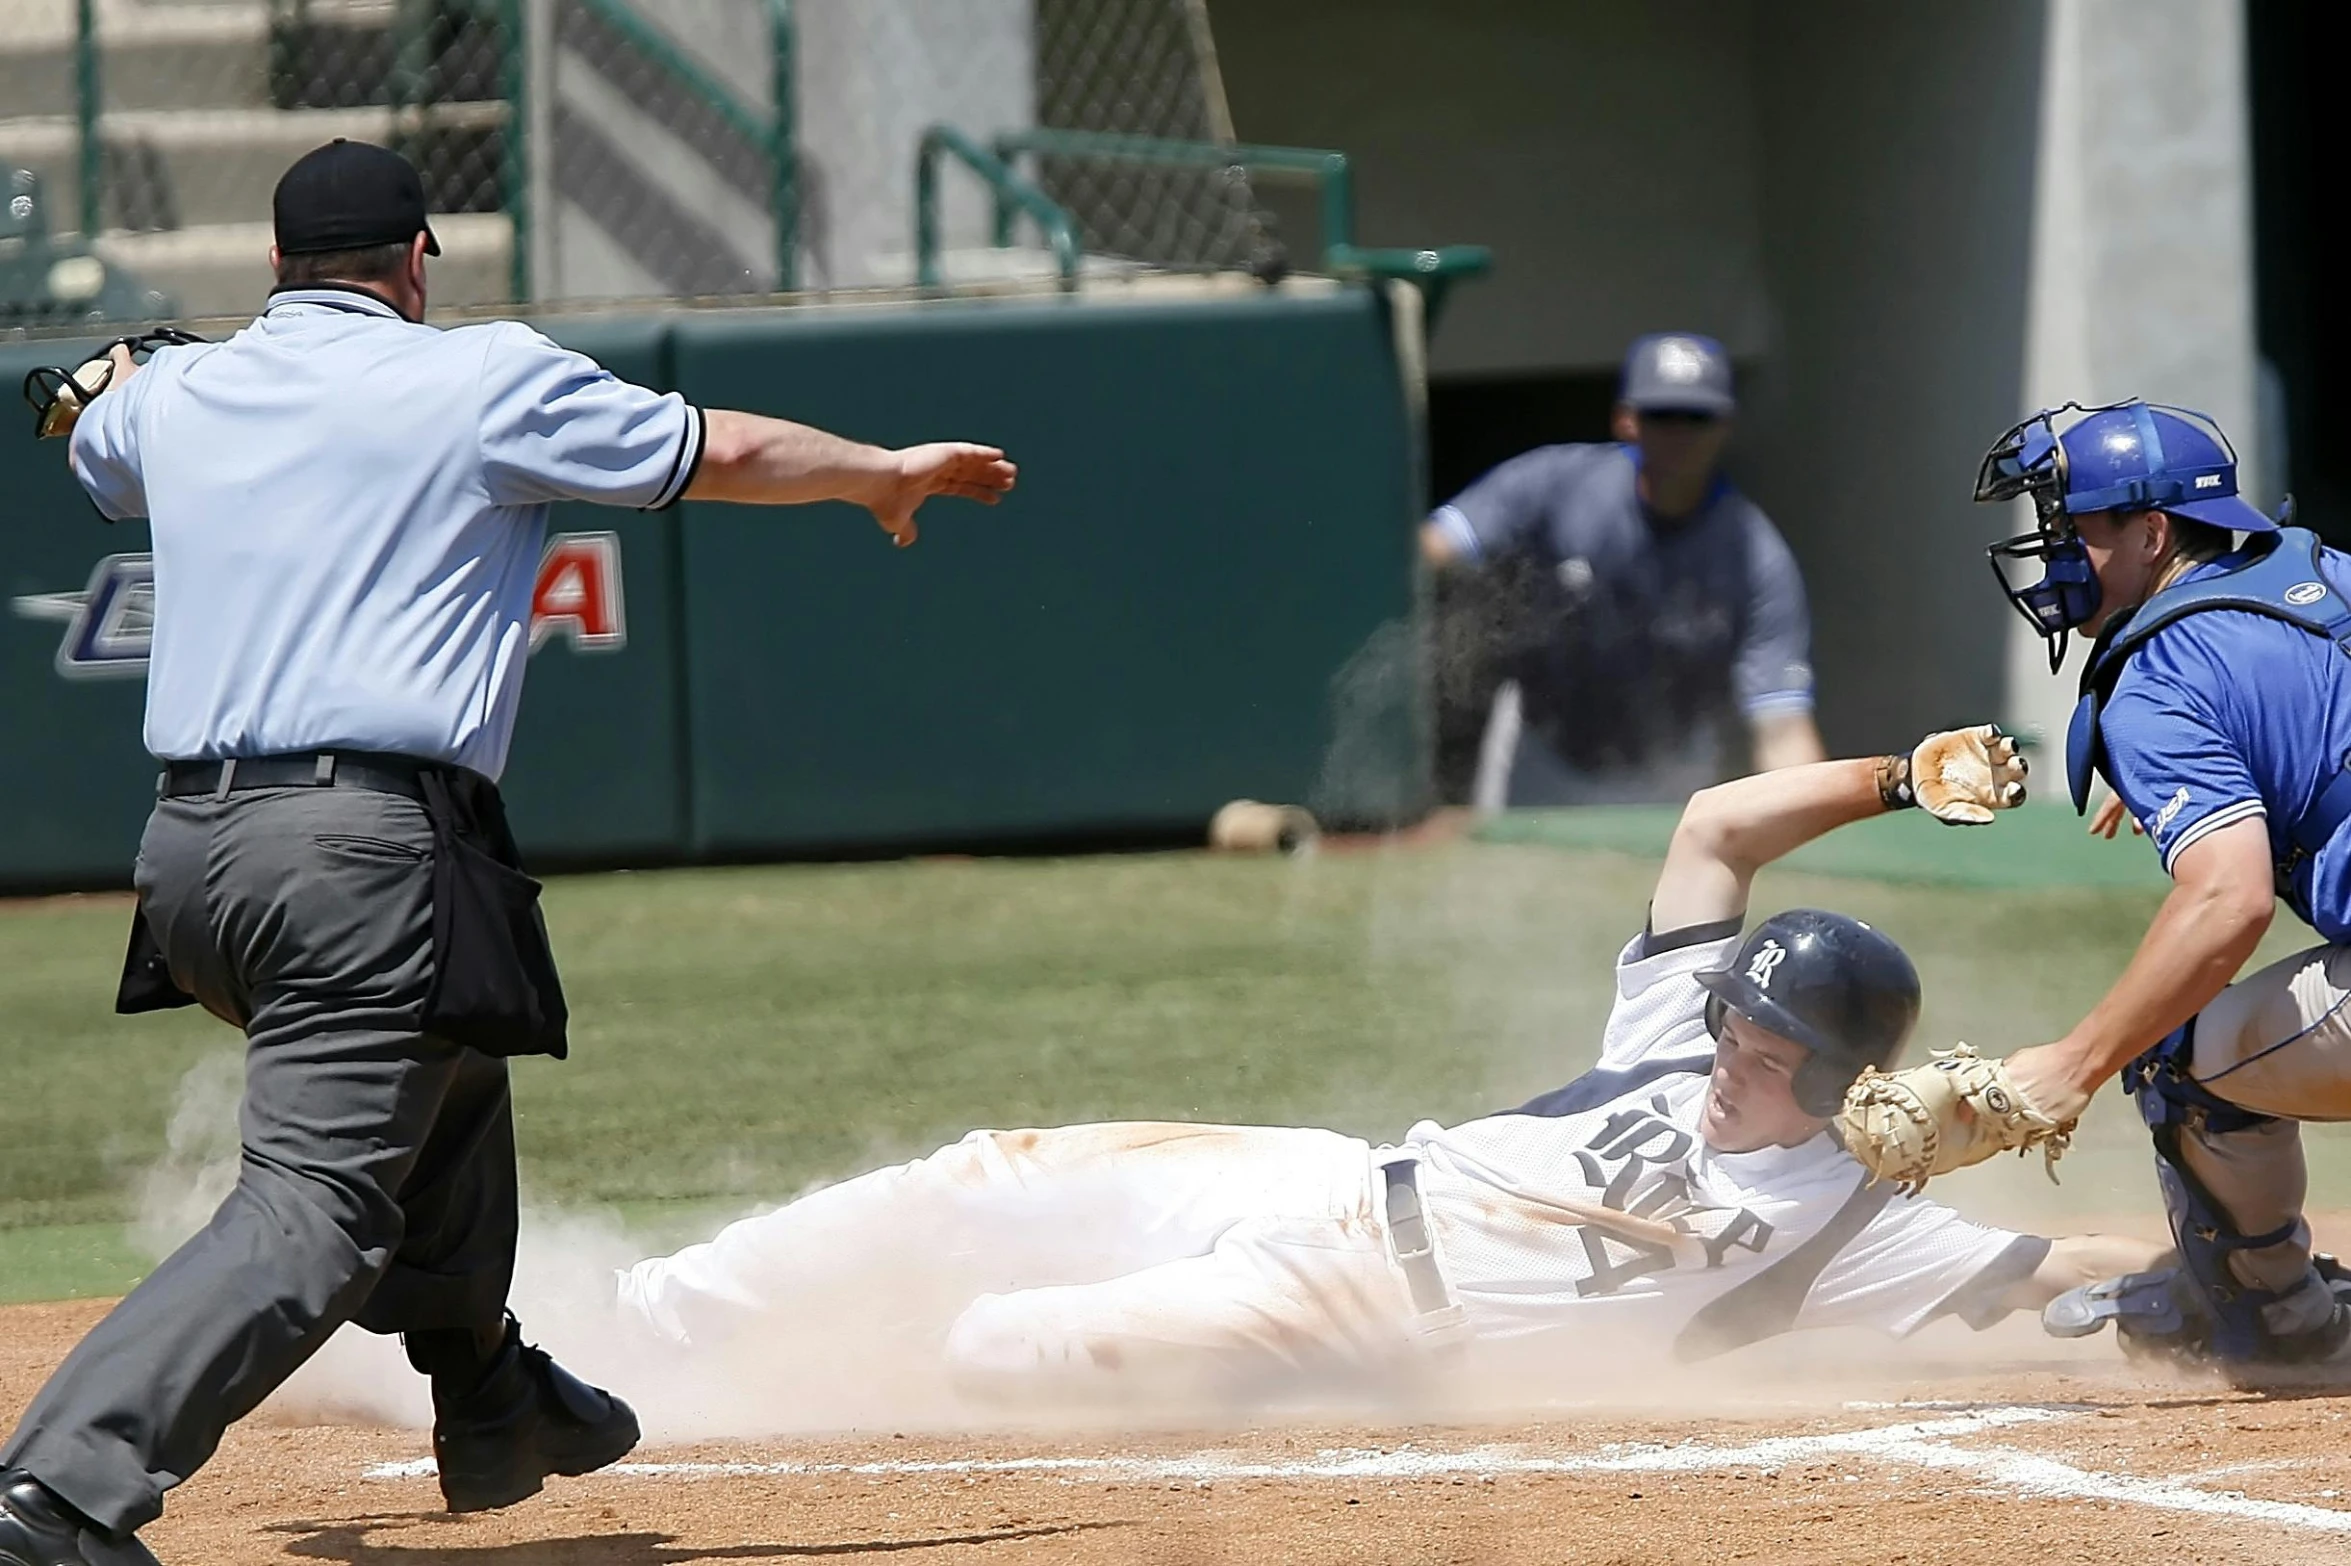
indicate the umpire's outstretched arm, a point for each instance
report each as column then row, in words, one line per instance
column 773, row 462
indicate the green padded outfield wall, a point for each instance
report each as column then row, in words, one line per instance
column 75, row 783
column 1214, row 522
column 1202, row 590
column 598, row 767
column 598, row 772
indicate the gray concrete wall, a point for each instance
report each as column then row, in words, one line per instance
column 2143, row 254
column 1605, row 150
column 1897, row 156
column 871, row 74
column 1841, row 189
column 637, row 196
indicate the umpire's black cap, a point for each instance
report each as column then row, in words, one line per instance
column 348, row 195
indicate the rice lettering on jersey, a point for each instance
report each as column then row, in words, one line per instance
column 1637, row 1164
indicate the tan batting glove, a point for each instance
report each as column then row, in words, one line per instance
column 1959, row 776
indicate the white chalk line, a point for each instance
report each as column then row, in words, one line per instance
column 1922, row 1443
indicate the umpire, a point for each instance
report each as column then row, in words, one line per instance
column 348, row 509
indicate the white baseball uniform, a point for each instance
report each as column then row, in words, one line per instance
column 1111, row 1253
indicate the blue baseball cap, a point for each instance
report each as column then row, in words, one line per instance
column 1677, row 372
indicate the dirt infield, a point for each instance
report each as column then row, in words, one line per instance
column 2048, row 1452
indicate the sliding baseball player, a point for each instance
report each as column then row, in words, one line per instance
column 1681, row 1199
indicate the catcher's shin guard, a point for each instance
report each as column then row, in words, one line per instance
column 2201, row 1307
column 2163, row 1314
column 2155, row 1313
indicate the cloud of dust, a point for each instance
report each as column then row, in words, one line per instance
column 1369, row 775
column 861, row 1348
column 840, row 1359
column 199, row 1164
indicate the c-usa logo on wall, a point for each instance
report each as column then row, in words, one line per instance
column 110, row 623
column 1764, row 963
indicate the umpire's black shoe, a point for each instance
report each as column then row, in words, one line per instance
column 529, row 1418
column 37, row 1528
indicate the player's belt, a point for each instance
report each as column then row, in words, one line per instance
column 1408, row 1238
column 380, row 773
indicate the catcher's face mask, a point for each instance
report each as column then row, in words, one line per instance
column 2030, row 461
column 2121, row 457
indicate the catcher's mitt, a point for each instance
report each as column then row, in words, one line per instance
column 1957, row 1110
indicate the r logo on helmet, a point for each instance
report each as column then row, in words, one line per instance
column 1767, row 957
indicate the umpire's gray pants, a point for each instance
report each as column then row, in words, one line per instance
column 378, row 1178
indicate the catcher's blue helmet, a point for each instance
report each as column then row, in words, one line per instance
column 2125, row 456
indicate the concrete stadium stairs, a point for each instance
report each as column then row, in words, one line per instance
column 195, row 134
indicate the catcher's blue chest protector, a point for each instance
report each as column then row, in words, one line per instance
column 2276, row 575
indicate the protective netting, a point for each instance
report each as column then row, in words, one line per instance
column 154, row 134
column 598, row 148
column 1145, row 68
column 659, row 163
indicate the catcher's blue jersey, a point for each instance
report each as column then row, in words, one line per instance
column 2227, row 716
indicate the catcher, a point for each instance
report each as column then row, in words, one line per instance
column 1682, row 1198
column 2216, row 701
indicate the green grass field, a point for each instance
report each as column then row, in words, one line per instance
column 740, row 1033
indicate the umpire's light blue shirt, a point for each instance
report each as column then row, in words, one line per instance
column 348, row 511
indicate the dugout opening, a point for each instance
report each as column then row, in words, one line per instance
column 2302, row 315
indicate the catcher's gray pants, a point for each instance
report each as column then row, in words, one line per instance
column 377, row 1182
column 2277, row 1042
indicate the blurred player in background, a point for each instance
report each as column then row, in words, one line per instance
column 1681, row 1199
column 1665, row 610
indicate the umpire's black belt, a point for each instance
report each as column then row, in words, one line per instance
column 494, row 985
column 373, row 770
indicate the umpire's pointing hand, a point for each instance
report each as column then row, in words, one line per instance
column 942, row 468
column 753, row 460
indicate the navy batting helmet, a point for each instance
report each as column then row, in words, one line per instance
column 1832, row 984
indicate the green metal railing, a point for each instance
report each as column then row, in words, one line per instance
column 771, row 132
column 1432, row 271
column 406, row 88
column 86, row 109
column 514, row 163
column 1009, row 191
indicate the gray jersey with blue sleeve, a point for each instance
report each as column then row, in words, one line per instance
column 1640, row 634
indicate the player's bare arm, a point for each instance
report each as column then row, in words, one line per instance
column 755, row 460
column 1437, row 550
column 2222, row 900
column 1729, row 832
column 1786, row 739
column 2078, row 1259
